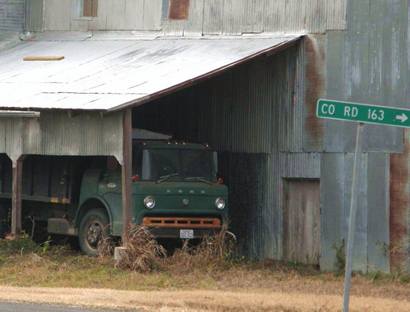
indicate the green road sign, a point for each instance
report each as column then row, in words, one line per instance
column 357, row 112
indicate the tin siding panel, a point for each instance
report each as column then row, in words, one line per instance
column 367, row 63
column 57, row 14
column 11, row 15
column 55, row 133
column 378, row 212
column 375, row 49
column 209, row 17
column 388, row 61
column 360, row 244
column 372, row 230
column 334, row 138
column 332, row 203
column 336, row 183
column 34, row 19
column 64, row 15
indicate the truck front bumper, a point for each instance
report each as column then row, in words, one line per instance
column 182, row 227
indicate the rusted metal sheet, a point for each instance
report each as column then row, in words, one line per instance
column 315, row 88
column 178, row 9
column 90, row 8
column 399, row 208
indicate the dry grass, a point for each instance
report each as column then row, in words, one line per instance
column 252, row 300
column 205, row 268
column 142, row 252
column 214, row 253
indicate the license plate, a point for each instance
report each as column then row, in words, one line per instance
column 186, row 234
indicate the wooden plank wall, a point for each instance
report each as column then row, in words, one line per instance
column 301, row 221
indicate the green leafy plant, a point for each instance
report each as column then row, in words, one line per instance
column 45, row 247
column 21, row 245
column 340, row 257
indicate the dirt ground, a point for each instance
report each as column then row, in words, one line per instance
column 187, row 283
column 282, row 296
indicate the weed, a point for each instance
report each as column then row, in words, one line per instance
column 45, row 247
column 340, row 257
column 213, row 253
column 22, row 245
column 142, row 252
column 106, row 246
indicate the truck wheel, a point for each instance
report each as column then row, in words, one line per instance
column 92, row 226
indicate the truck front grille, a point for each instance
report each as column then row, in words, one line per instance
column 182, row 222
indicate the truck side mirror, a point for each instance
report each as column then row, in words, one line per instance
column 135, row 178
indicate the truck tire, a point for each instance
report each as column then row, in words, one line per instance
column 92, row 226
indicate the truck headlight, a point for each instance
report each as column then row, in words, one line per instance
column 149, row 202
column 220, row 203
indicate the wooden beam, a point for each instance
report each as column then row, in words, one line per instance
column 43, row 58
column 126, row 172
column 16, row 201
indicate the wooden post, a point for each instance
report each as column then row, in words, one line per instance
column 126, row 172
column 16, row 201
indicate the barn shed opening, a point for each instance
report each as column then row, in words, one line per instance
column 241, row 113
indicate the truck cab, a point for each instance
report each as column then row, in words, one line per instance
column 175, row 190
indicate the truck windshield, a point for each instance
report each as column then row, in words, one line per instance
column 179, row 164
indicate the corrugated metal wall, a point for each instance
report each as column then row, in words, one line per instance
column 367, row 63
column 204, row 16
column 11, row 15
column 57, row 133
column 256, row 16
column 34, row 16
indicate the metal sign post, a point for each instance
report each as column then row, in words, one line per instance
column 352, row 219
column 362, row 113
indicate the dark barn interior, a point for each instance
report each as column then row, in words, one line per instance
column 236, row 113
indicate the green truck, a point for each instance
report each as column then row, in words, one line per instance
column 175, row 190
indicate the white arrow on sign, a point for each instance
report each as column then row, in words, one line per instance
column 403, row 117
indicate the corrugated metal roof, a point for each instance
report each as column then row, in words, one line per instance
column 112, row 74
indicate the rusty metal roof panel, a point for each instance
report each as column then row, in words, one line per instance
column 112, row 74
